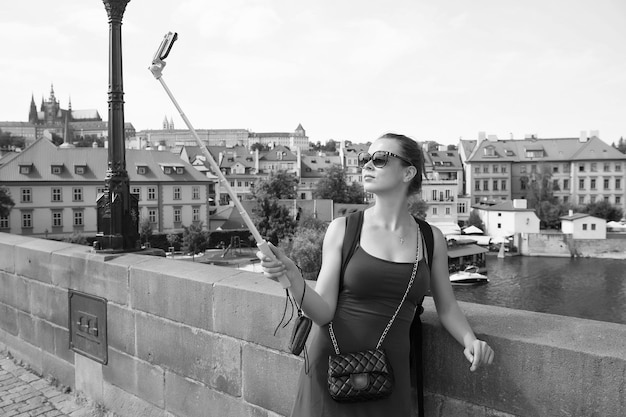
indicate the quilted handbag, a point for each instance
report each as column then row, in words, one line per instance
column 360, row 376
column 364, row 375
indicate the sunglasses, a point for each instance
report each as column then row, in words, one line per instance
column 379, row 158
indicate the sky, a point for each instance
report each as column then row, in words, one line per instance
column 344, row 69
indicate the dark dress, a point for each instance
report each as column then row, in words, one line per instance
column 372, row 290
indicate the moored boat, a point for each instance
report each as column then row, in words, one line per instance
column 468, row 276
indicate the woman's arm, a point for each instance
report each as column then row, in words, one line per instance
column 318, row 304
column 450, row 314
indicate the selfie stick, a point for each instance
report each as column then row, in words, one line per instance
column 156, row 68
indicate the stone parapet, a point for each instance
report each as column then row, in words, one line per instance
column 189, row 339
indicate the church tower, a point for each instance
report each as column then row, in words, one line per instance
column 32, row 114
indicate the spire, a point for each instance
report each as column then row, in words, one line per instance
column 32, row 114
column 52, row 92
column 69, row 105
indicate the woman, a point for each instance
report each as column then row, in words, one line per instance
column 374, row 282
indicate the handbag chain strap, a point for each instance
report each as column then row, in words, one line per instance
column 406, row 293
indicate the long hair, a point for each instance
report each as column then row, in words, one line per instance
column 411, row 151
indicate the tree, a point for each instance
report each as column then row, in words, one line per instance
column 418, row 207
column 195, row 239
column 273, row 221
column 281, row 185
column 334, row 186
column 539, row 193
column 145, row 230
column 306, row 251
column 259, row 146
column 6, row 202
column 172, row 239
column 475, row 220
column 8, row 141
column 604, row 210
column 621, row 145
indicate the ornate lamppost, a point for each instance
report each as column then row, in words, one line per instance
column 117, row 208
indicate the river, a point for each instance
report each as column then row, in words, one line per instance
column 590, row 288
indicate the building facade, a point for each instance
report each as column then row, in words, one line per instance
column 55, row 189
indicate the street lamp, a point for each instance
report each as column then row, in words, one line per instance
column 117, row 208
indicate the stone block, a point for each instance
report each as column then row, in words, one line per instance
column 88, row 374
column 26, row 325
column 33, row 259
column 270, row 378
column 123, row 403
column 212, row 359
column 14, row 291
column 184, row 397
column 61, row 261
column 7, row 249
column 136, row 377
column 8, row 319
column 22, row 351
column 49, row 303
column 250, row 307
column 121, row 328
column 62, row 371
column 177, row 290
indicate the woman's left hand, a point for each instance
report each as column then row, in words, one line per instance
column 479, row 353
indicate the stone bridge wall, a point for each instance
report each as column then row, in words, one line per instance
column 188, row 339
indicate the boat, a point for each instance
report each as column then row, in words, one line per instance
column 468, row 276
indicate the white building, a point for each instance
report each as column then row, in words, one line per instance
column 583, row 226
column 508, row 218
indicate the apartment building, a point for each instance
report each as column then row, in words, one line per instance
column 55, row 189
column 443, row 185
column 576, row 170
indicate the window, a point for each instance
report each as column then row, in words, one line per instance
column 581, row 199
column 555, row 184
column 57, row 194
column 606, row 183
column 56, row 169
column 618, row 167
column 499, row 225
column 566, row 168
column 195, row 214
column 618, row 183
column 180, row 170
column 232, row 183
column 246, row 184
column 141, row 170
column 504, row 169
column 592, row 198
column 137, row 192
column 78, row 218
column 434, row 195
column 77, row 194
column 584, row 226
column 461, row 207
column 79, row 169
column 581, row 167
column 239, row 184
column 618, row 199
column 177, row 215
column 57, row 219
column 26, row 195
column 434, row 211
column 495, row 185
column 495, row 169
column 151, row 193
column 566, row 199
column 176, row 193
column 581, row 184
column 195, row 192
column 555, row 169
column 486, row 185
column 607, row 167
column 533, row 168
column 447, row 211
column 593, row 226
column 592, row 184
column 476, row 170
column 167, row 170
column 566, row 184
column 503, row 185
column 100, row 190
column 477, row 185
column 485, row 169
column 152, row 215
column 27, row 220
column 522, row 169
column 25, row 169
column 4, row 222
column 594, row 167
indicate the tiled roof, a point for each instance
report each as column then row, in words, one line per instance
column 42, row 154
column 272, row 155
column 445, row 159
column 503, row 206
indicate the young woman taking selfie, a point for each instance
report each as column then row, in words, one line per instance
column 370, row 301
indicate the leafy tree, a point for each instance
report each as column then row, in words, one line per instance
column 539, row 194
column 172, row 239
column 195, row 239
column 145, row 230
column 274, row 222
column 306, row 251
column 281, row 185
column 418, row 207
column 259, row 146
column 7, row 140
column 621, row 145
column 475, row 220
column 6, row 202
column 604, row 210
column 334, row 186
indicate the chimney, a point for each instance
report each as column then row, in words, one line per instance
column 583, row 136
column 594, row 134
column 520, row 203
column 570, row 213
column 481, row 136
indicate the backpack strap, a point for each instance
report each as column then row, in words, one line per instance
column 351, row 238
column 416, row 325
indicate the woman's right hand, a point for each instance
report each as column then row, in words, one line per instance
column 282, row 265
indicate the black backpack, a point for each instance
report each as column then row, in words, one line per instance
column 351, row 237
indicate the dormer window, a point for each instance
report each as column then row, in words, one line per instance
column 142, row 170
column 25, row 168
column 180, row 170
column 490, row 151
column 56, row 169
column 80, row 169
column 167, row 170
